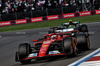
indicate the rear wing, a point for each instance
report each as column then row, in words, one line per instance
column 67, row 24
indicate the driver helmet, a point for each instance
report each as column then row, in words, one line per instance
column 71, row 26
column 70, row 21
column 53, row 37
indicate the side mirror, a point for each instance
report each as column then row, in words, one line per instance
column 35, row 40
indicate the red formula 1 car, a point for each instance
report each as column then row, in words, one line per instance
column 52, row 45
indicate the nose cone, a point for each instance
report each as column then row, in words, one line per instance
column 44, row 47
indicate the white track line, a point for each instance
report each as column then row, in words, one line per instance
column 92, row 63
column 78, row 61
column 0, row 36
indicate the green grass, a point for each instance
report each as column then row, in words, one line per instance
column 85, row 19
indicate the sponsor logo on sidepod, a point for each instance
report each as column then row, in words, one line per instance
column 46, row 42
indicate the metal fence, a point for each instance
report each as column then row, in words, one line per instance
column 37, row 13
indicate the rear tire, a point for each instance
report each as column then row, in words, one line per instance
column 49, row 32
column 82, row 42
column 84, row 28
column 69, row 46
column 23, row 51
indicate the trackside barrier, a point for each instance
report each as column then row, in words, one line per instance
column 69, row 15
column 5, row 23
column 52, row 17
column 37, row 19
column 97, row 11
column 86, row 13
column 21, row 21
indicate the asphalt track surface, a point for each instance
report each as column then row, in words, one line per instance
column 9, row 42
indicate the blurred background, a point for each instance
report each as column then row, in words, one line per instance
column 21, row 9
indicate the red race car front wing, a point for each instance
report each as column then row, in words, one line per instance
column 34, row 57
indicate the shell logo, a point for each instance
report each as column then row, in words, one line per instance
column 45, row 45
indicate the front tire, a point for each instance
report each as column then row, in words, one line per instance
column 23, row 51
column 16, row 56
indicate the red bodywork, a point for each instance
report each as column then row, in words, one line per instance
column 47, row 42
